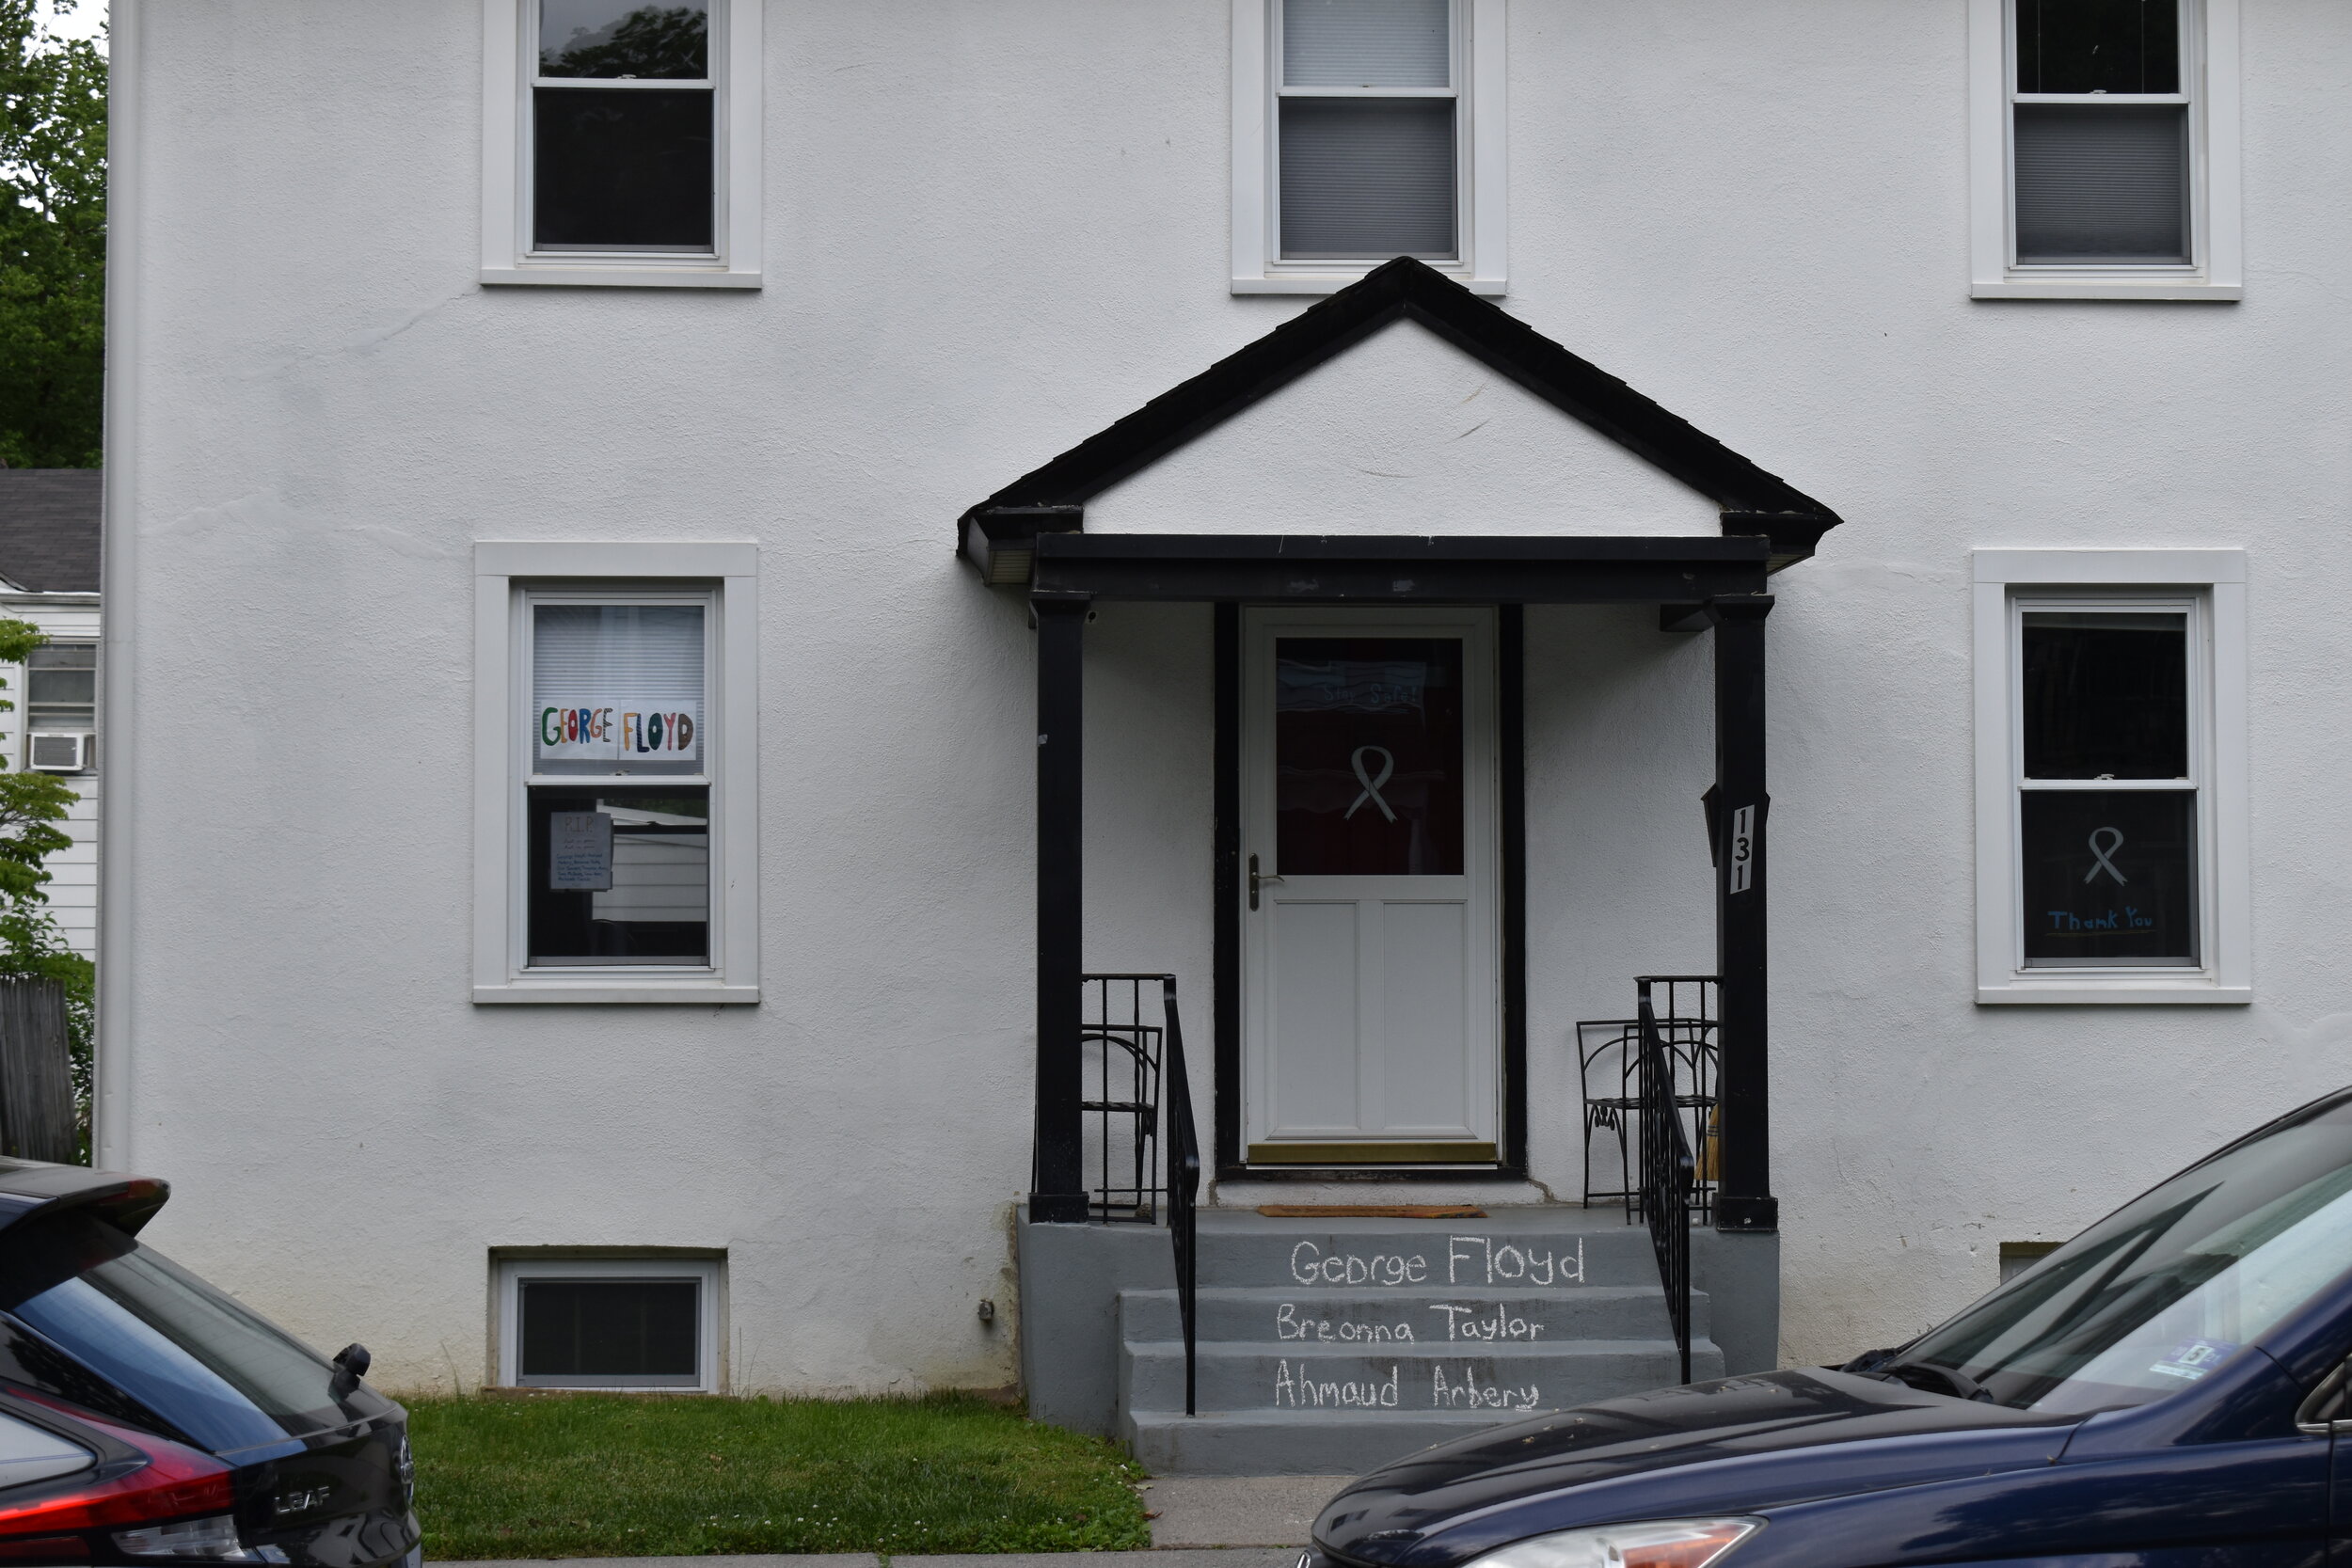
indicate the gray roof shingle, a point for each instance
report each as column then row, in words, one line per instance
column 49, row 529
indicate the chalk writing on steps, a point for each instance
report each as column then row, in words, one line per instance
column 1468, row 1260
column 1300, row 1389
column 1466, row 1321
column 1288, row 1325
column 1468, row 1394
column 1303, row 1391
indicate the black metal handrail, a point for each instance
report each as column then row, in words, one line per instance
column 1667, row 1168
column 1135, row 1082
column 1183, row 1181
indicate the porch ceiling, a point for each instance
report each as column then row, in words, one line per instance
column 1365, row 569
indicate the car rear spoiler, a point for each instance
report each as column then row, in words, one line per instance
column 29, row 1188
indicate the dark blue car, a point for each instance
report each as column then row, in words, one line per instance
column 2163, row 1391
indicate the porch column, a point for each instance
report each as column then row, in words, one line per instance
column 1744, row 1200
column 1058, row 1181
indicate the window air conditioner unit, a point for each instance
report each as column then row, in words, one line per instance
column 56, row 752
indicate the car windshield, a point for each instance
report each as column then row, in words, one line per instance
column 2169, row 1288
column 202, row 1360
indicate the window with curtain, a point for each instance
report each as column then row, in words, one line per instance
column 1368, row 109
column 2101, row 134
column 617, row 805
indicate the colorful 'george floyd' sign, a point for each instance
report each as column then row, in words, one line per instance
column 617, row 730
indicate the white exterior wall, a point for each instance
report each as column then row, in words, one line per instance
column 73, row 890
column 989, row 230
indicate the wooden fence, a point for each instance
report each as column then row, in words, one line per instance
column 36, row 1120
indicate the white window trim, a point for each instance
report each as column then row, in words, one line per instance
column 2216, row 270
column 501, row 568
column 602, row 1263
column 1482, row 185
column 505, row 174
column 2216, row 579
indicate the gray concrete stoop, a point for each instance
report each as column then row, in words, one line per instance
column 1329, row 1346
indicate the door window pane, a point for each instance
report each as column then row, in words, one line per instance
column 620, row 877
column 610, row 1333
column 2106, row 696
column 618, row 689
column 1368, row 756
column 619, row 169
column 2102, row 183
column 2109, row 876
column 2098, row 46
column 624, row 38
column 1367, row 177
column 1367, row 43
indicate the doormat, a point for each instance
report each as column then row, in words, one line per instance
column 1371, row 1212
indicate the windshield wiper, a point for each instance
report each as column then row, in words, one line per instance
column 1954, row 1381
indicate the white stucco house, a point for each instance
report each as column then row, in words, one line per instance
column 49, row 556
column 687, row 578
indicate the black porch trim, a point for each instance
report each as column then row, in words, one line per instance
column 1362, row 569
column 994, row 533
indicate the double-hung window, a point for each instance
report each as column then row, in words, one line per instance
column 623, row 142
column 1366, row 130
column 2106, row 148
column 614, row 825
column 61, row 708
column 2111, row 810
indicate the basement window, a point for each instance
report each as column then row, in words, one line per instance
column 643, row 1324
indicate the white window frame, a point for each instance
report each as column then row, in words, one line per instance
column 504, row 571
column 2209, row 71
column 510, row 53
column 707, row 1271
column 2211, row 585
column 1481, row 183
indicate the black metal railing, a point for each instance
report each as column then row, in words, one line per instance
column 1183, row 1181
column 1667, row 1170
column 1144, row 1149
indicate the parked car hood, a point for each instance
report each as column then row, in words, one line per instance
column 1734, row 1445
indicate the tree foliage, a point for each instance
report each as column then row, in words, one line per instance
column 53, row 242
column 650, row 41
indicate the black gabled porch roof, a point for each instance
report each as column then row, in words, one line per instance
column 1000, row 536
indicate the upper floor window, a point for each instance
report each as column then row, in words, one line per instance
column 2107, row 148
column 1365, row 130
column 623, row 142
column 61, row 708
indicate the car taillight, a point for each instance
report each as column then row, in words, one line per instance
column 176, row 1481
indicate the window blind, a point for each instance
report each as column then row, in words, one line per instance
column 610, row 687
column 1368, row 176
column 2102, row 183
column 1367, row 43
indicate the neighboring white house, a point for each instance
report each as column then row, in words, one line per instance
column 49, row 539
column 639, row 737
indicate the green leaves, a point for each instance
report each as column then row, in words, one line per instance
column 53, row 242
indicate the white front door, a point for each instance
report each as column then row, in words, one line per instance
column 1372, row 968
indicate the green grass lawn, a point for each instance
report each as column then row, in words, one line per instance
column 611, row 1475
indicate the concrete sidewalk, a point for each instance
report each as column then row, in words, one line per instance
column 1197, row 1522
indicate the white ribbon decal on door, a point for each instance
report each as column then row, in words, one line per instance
column 1371, row 785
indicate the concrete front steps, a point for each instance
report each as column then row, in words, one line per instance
column 1329, row 1346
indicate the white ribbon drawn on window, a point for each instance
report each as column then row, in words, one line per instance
column 2106, row 865
column 1371, row 785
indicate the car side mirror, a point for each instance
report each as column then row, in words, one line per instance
column 351, row 1365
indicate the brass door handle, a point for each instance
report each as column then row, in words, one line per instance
column 1257, row 878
